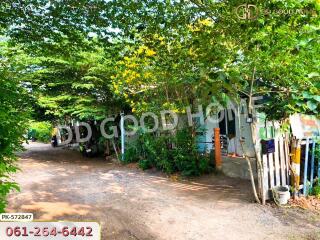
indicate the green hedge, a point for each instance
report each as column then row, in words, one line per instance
column 41, row 131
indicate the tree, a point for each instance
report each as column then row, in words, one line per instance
column 76, row 86
column 13, row 118
column 167, row 54
column 215, row 53
column 211, row 52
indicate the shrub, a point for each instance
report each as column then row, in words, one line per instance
column 13, row 116
column 42, row 131
column 131, row 155
column 316, row 191
column 157, row 151
column 144, row 164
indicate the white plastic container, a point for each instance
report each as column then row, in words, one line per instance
column 283, row 194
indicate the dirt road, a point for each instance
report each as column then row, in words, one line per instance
column 59, row 184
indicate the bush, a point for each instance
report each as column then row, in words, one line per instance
column 158, row 152
column 13, row 116
column 41, row 131
column 144, row 164
column 131, row 155
column 316, row 189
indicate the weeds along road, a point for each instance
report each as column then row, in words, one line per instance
column 59, row 184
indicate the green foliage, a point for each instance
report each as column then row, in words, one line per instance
column 77, row 86
column 13, row 117
column 131, row 154
column 207, row 51
column 42, row 131
column 5, row 189
column 107, row 56
column 87, row 69
column 316, row 191
column 144, row 164
column 170, row 154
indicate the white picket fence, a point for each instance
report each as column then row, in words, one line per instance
column 276, row 170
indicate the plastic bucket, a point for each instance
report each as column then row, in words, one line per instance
column 283, row 194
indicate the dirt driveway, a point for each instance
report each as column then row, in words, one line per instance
column 59, row 184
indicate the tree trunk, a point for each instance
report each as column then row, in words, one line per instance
column 253, row 184
column 254, row 139
column 107, row 148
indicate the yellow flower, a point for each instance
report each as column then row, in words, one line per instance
column 141, row 49
column 150, row 52
column 206, row 22
column 132, row 65
column 191, row 52
column 147, row 75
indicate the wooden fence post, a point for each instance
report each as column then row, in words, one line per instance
column 217, row 148
column 296, row 159
column 306, row 161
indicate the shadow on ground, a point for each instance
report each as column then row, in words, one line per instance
column 59, row 184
